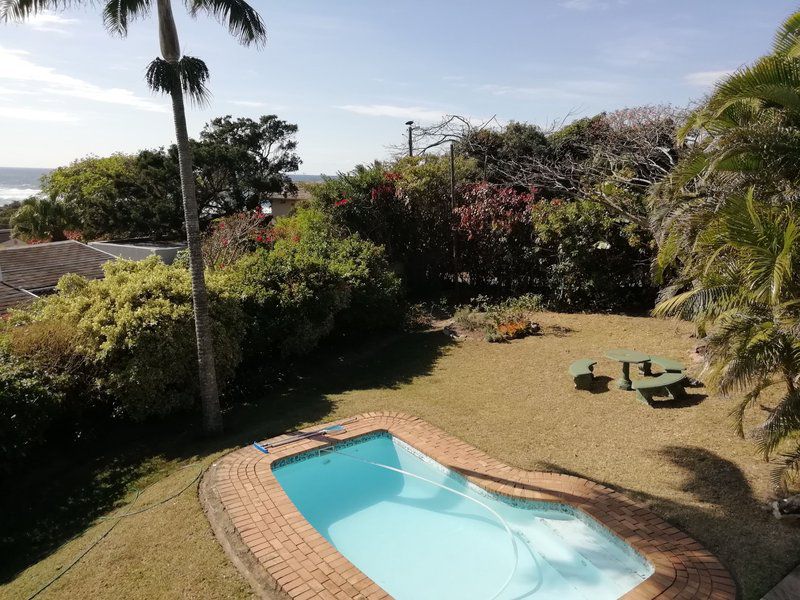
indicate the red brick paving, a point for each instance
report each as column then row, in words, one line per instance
column 302, row 564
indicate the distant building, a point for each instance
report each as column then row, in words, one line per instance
column 29, row 271
column 140, row 249
column 280, row 206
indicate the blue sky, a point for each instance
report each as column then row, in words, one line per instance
column 350, row 72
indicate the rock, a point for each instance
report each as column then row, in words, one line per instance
column 787, row 507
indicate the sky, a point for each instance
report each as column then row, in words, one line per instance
column 349, row 73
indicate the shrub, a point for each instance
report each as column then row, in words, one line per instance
column 496, row 244
column 314, row 279
column 54, row 345
column 229, row 238
column 404, row 207
column 125, row 344
column 592, row 258
column 29, row 401
column 500, row 321
column 291, row 300
column 133, row 336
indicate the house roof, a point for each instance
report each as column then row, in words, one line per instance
column 38, row 267
column 11, row 296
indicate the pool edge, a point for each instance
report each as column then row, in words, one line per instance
column 283, row 556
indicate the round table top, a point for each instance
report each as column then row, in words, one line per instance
column 628, row 356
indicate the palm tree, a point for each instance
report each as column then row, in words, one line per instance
column 735, row 261
column 746, row 290
column 41, row 219
column 177, row 76
column 746, row 134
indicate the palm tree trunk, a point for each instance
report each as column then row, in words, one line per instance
column 209, row 394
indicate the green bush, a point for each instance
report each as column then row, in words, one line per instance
column 500, row 321
column 591, row 258
column 314, row 279
column 29, row 401
column 135, row 334
column 125, row 344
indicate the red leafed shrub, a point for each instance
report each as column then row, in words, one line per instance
column 230, row 238
column 405, row 207
column 496, row 241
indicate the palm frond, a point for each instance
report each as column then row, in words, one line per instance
column 787, row 38
column 788, row 469
column 783, row 422
column 118, row 13
column 20, row 10
column 744, row 351
column 696, row 302
column 747, row 402
column 190, row 74
column 243, row 21
column 771, row 81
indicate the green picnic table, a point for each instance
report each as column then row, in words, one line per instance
column 626, row 357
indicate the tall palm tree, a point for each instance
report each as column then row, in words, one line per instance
column 177, row 76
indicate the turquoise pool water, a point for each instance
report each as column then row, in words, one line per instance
column 420, row 541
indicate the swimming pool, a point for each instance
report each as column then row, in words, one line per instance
column 422, row 531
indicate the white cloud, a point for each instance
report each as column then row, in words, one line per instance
column 249, row 103
column 35, row 114
column 15, row 66
column 583, row 4
column 50, row 22
column 567, row 90
column 706, row 79
column 398, row 112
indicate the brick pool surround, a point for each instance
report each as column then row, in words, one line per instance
column 283, row 556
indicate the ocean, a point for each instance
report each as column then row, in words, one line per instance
column 18, row 184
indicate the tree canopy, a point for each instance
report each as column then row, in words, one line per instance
column 238, row 163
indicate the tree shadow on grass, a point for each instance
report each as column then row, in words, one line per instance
column 63, row 490
column 725, row 516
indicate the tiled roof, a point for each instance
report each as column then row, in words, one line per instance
column 11, row 296
column 40, row 266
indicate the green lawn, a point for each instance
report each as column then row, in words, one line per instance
column 514, row 401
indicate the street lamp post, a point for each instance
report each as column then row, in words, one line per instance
column 410, row 144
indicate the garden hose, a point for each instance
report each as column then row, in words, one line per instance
column 117, row 519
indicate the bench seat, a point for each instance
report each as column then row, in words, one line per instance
column 669, row 365
column 666, row 384
column 582, row 372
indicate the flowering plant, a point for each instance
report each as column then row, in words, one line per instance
column 230, row 238
column 495, row 238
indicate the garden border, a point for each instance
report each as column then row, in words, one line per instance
column 283, row 556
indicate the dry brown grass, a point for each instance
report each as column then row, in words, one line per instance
column 516, row 402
